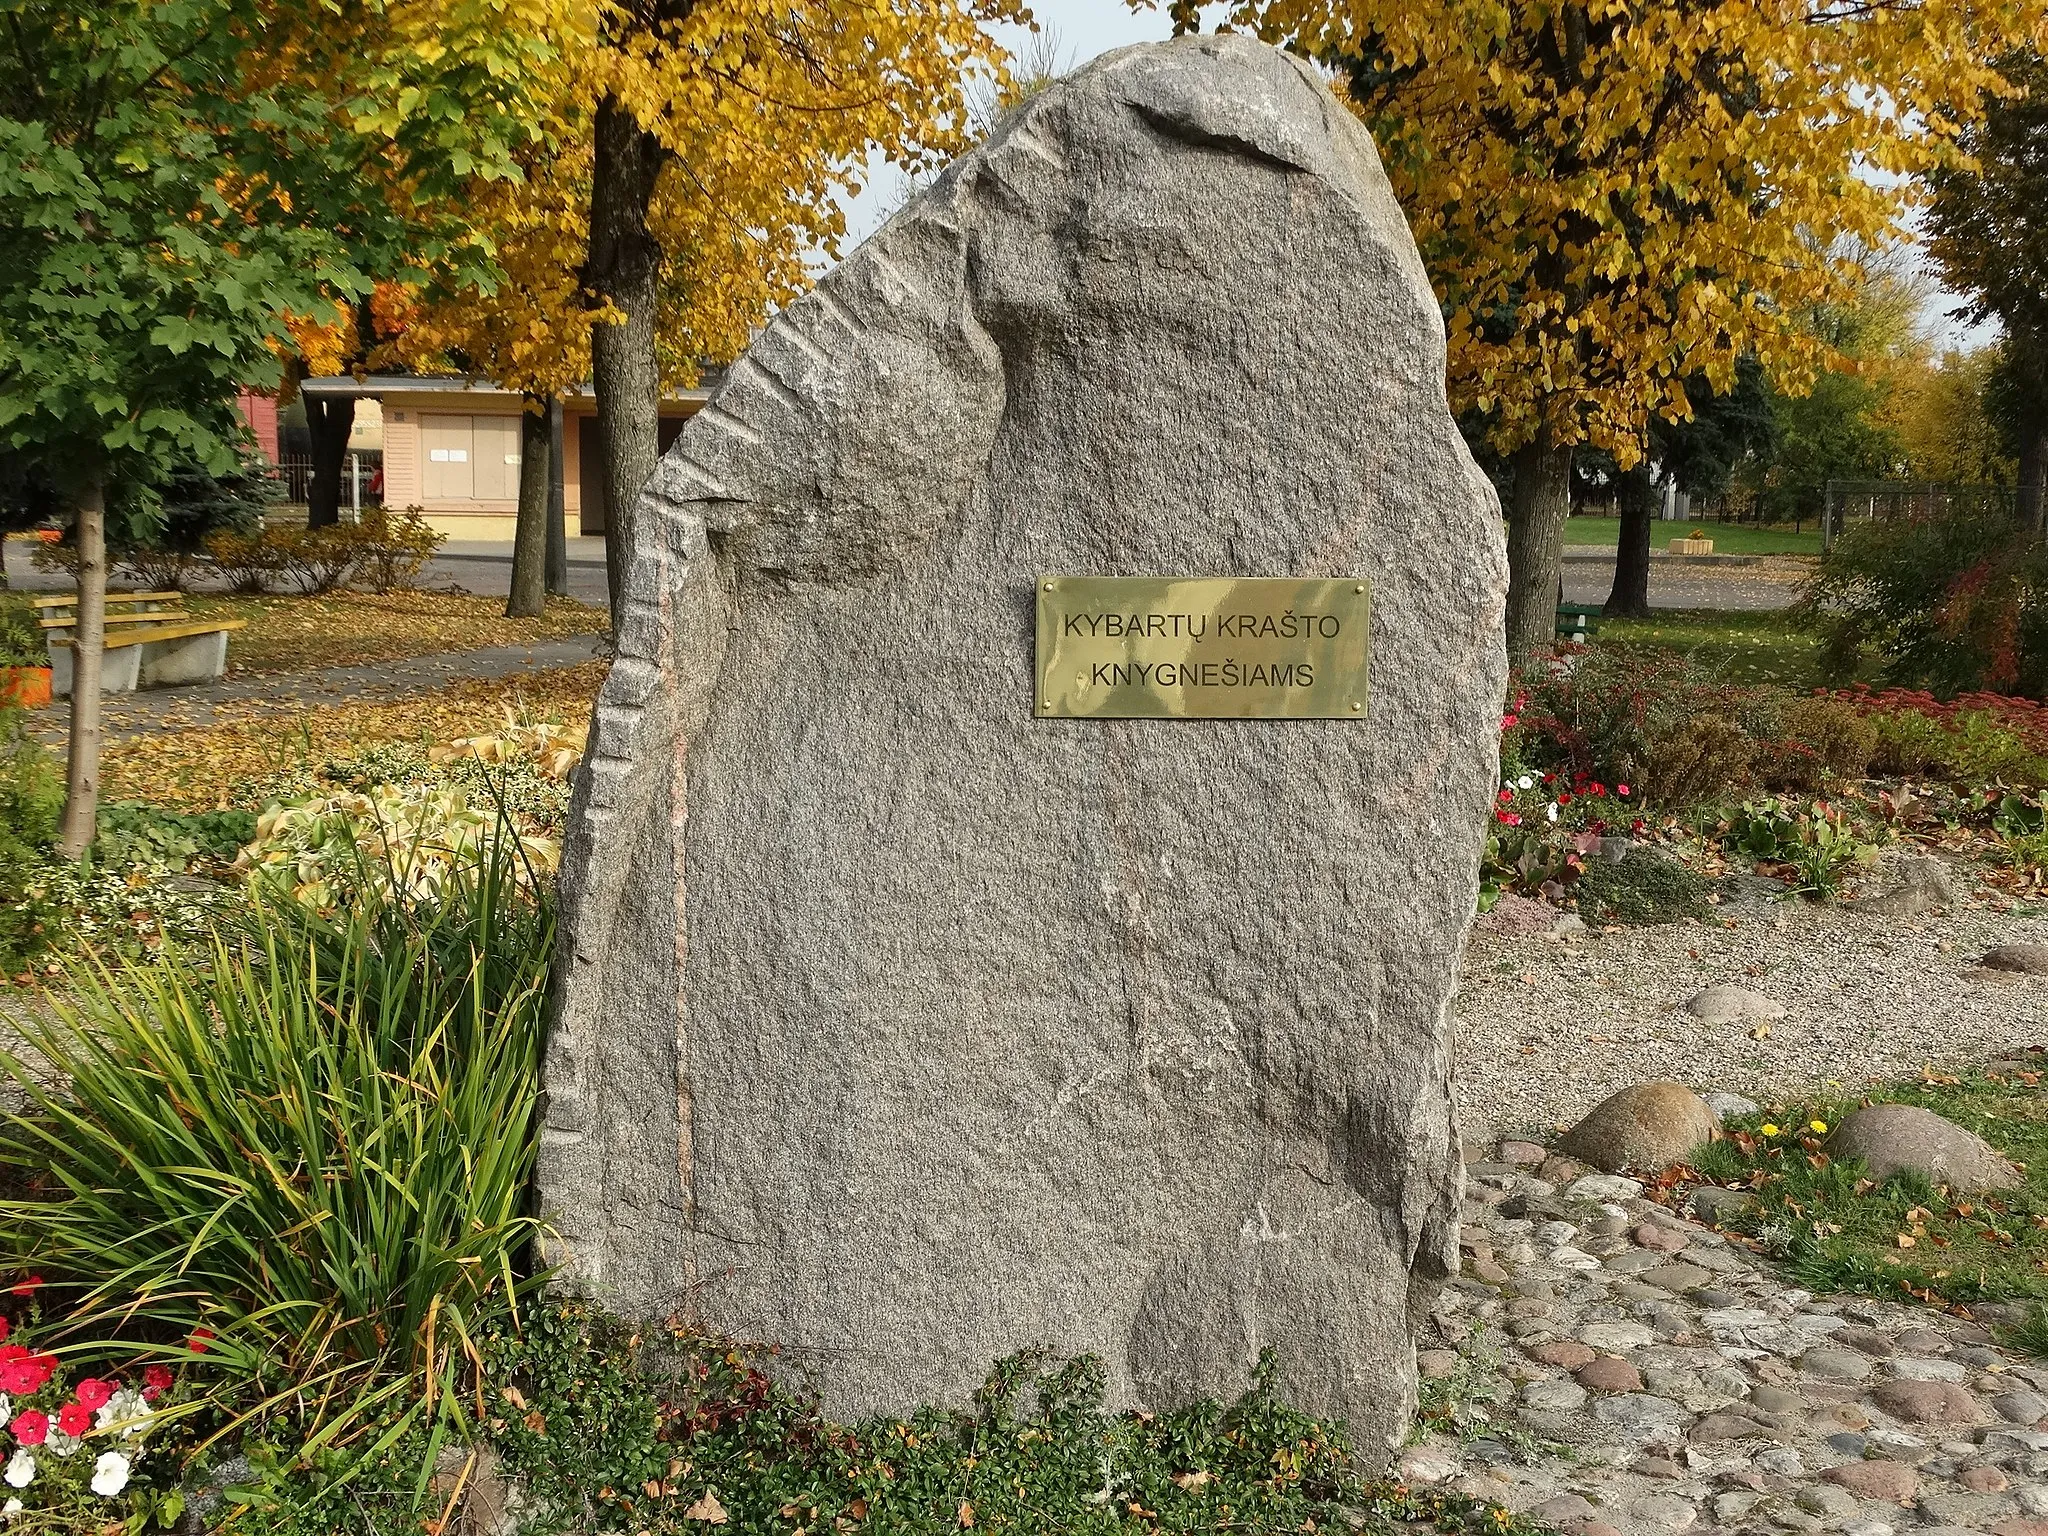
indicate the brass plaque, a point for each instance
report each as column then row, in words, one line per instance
column 1223, row 648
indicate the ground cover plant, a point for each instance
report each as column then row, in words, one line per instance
column 609, row 1430
column 1739, row 645
column 1839, row 1230
column 1729, row 538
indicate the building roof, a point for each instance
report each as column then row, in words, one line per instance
column 376, row 386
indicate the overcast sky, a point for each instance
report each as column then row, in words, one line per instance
column 1084, row 28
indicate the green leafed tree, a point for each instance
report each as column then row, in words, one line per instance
column 175, row 180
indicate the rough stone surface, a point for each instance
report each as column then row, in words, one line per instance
column 1647, row 1127
column 1726, row 1003
column 1895, row 1138
column 1926, row 1402
column 2027, row 959
column 1875, row 1480
column 906, row 1030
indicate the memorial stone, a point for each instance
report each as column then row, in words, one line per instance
column 906, row 1018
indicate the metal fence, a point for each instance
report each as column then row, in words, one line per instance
column 1887, row 500
column 362, row 479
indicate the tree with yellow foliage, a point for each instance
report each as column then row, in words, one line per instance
column 762, row 109
column 1614, row 196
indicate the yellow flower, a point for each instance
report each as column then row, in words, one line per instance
column 1770, row 1130
column 1819, row 1127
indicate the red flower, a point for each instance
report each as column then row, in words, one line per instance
column 156, row 1381
column 31, row 1427
column 1564, row 797
column 1600, row 791
column 5, row 1329
column 29, row 1286
column 22, row 1371
column 74, row 1419
column 1507, row 818
column 1507, row 722
column 1506, row 795
column 201, row 1337
column 92, row 1392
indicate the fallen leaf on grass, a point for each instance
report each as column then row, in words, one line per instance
column 707, row 1509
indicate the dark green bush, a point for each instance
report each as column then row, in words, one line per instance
column 1951, row 603
column 1644, row 887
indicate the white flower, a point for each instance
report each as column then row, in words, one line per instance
column 127, row 1409
column 10, row 1509
column 22, row 1470
column 1525, row 782
column 109, row 1474
column 1553, row 813
column 60, row 1444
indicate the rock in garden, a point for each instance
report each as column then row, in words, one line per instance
column 1609, row 1374
column 1647, row 1127
column 1920, row 881
column 2027, row 959
column 1713, row 1205
column 1926, row 1402
column 1726, row 1003
column 1728, row 1106
column 1903, row 1138
column 1875, row 1480
column 904, row 1027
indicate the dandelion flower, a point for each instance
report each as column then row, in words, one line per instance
column 21, row 1471
column 109, row 1474
column 1770, row 1130
column 1818, row 1127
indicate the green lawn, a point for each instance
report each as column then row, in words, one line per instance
column 1729, row 538
column 1744, row 645
column 1903, row 1237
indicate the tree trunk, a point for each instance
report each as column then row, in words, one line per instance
column 558, row 537
column 1637, row 494
column 2033, row 493
column 1536, row 511
column 82, row 778
column 329, row 420
column 624, row 265
column 530, row 535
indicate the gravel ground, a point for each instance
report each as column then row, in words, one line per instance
column 1546, row 1030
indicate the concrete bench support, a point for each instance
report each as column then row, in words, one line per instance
column 190, row 659
column 120, row 670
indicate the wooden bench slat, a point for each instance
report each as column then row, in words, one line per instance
column 153, row 616
column 166, row 632
column 69, row 599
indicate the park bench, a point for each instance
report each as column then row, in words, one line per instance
column 151, row 641
column 1577, row 623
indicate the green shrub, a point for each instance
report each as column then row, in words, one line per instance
column 312, row 1141
column 1951, row 603
column 131, row 835
column 22, row 641
column 1814, row 844
column 1817, row 739
column 1644, row 887
column 1704, row 758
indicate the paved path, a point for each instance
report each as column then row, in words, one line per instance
column 1615, row 1369
column 1773, row 584
column 293, row 693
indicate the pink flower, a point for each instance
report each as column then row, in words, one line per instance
column 1621, row 789
column 92, row 1392
column 1507, row 818
column 31, row 1427
column 74, row 1419
column 1506, row 795
column 1508, row 722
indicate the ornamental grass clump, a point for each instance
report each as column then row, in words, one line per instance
column 308, row 1144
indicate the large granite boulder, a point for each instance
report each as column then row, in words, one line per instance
column 1903, row 1138
column 905, row 1030
column 1646, row 1127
